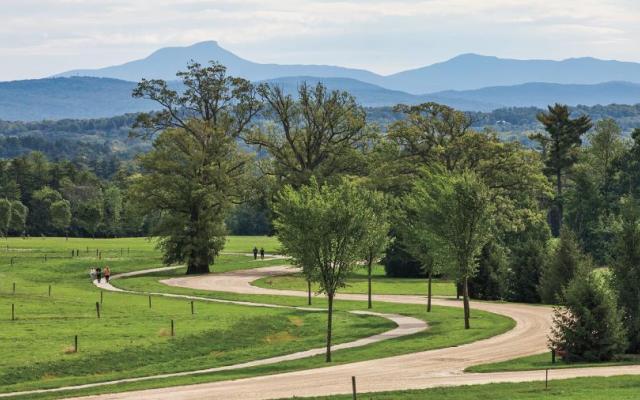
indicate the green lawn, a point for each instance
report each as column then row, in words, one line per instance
column 133, row 340
column 543, row 361
column 381, row 284
column 615, row 388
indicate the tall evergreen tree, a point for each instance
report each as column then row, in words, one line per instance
column 563, row 264
column 560, row 145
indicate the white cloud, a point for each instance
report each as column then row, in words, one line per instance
column 383, row 35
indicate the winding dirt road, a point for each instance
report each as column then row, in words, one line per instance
column 443, row 367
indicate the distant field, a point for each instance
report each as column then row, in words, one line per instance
column 381, row 284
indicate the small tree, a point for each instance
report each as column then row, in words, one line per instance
column 324, row 230
column 456, row 216
column 377, row 237
column 589, row 326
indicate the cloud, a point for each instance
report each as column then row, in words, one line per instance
column 383, row 35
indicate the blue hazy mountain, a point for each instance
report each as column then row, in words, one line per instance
column 88, row 97
column 164, row 63
column 464, row 72
column 58, row 98
column 472, row 71
column 542, row 94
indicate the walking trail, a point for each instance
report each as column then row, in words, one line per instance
column 404, row 326
column 442, row 367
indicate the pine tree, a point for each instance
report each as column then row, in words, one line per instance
column 589, row 326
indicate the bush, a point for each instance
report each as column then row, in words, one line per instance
column 589, row 326
column 489, row 283
column 399, row 264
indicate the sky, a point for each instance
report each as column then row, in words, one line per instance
column 39, row 38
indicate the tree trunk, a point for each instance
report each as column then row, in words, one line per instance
column 370, row 261
column 308, row 292
column 465, row 297
column 429, row 293
column 329, row 318
column 197, row 264
column 559, row 199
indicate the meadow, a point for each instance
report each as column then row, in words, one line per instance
column 54, row 301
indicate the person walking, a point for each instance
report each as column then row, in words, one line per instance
column 262, row 253
column 92, row 274
column 98, row 274
column 107, row 273
column 255, row 253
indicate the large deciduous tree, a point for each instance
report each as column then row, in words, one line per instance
column 455, row 212
column 319, row 133
column 324, row 229
column 195, row 172
column 560, row 146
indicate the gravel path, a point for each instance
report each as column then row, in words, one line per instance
column 443, row 367
column 404, row 326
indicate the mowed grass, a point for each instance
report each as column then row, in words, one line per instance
column 130, row 338
column 614, row 388
column 381, row 284
column 543, row 361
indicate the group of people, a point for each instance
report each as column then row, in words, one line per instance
column 255, row 253
column 97, row 273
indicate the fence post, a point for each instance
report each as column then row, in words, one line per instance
column 14, row 288
column 101, row 296
column 45, row 258
column 149, row 301
column 49, row 290
column 192, row 307
column 546, row 379
column 75, row 344
column 353, row 386
column 13, row 312
column 98, row 309
column 172, row 330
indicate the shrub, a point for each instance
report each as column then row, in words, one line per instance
column 589, row 326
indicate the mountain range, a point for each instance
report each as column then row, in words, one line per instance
column 467, row 82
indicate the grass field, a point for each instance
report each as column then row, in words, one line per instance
column 543, row 361
column 615, row 388
column 381, row 284
column 131, row 339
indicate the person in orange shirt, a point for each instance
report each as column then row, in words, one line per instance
column 107, row 273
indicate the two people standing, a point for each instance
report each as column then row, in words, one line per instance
column 97, row 274
column 255, row 253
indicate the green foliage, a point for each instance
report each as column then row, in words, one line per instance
column 528, row 255
column 589, row 326
column 491, row 280
column 563, row 264
column 626, row 271
column 325, row 229
column 195, row 172
column 322, row 134
column 453, row 216
column 560, row 147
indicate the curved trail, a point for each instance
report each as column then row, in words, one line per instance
column 405, row 326
column 442, row 367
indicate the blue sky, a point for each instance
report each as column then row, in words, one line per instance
column 42, row 37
